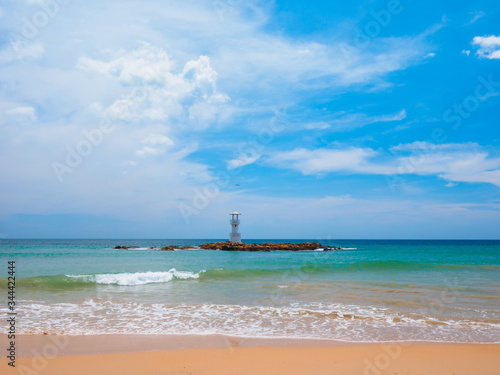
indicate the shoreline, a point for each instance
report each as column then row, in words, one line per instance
column 221, row 355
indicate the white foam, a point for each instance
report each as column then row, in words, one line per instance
column 138, row 278
column 331, row 321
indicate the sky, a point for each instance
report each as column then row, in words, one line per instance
column 314, row 119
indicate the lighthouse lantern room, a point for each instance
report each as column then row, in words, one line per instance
column 234, row 236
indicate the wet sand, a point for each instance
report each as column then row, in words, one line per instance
column 215, row 354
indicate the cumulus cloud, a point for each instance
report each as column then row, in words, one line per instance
column 466, row 162
column 159, row 92
column 489, row 46
column 154, row 144
column 148, row 63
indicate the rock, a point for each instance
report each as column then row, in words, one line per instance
column 169, row 248
column 164, row 248
column 241, row 246
column 266, row 246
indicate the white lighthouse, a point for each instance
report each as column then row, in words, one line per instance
column 234, row 236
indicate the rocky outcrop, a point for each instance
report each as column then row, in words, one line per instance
column 241, row 246
column 266, row 246
column 168, row 248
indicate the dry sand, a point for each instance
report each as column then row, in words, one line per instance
column 136, row 354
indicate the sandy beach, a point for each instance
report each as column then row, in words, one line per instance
column 165, row 354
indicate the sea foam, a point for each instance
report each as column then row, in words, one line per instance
column 321, row 321
column 137, row 278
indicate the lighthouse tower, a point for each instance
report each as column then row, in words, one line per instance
column 234, row 236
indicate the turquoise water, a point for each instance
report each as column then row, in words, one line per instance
column 370, row 291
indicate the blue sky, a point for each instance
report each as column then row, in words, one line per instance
column 322, row 119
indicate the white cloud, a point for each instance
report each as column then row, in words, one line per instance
column 466, row 52
column 427, row 146
column 476, row 16
column 155, row 144
column 358, row 120
column 429, row 55
column 489, row 46
column 269, row 63
column 148, row 63
column 457, row 162
column 21, row 50
column 148, row 151
column 158, row 139
column 324, row 160
column 319, row 125
column 242, row 160
column 343, row 121
column 25, row 113
column 466, row 162
column 159, row 93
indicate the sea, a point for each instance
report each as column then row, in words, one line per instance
column 370, row 291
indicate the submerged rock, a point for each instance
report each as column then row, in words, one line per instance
column 164, row 248
column 169, row 248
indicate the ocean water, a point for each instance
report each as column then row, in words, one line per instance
column 372, row 290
